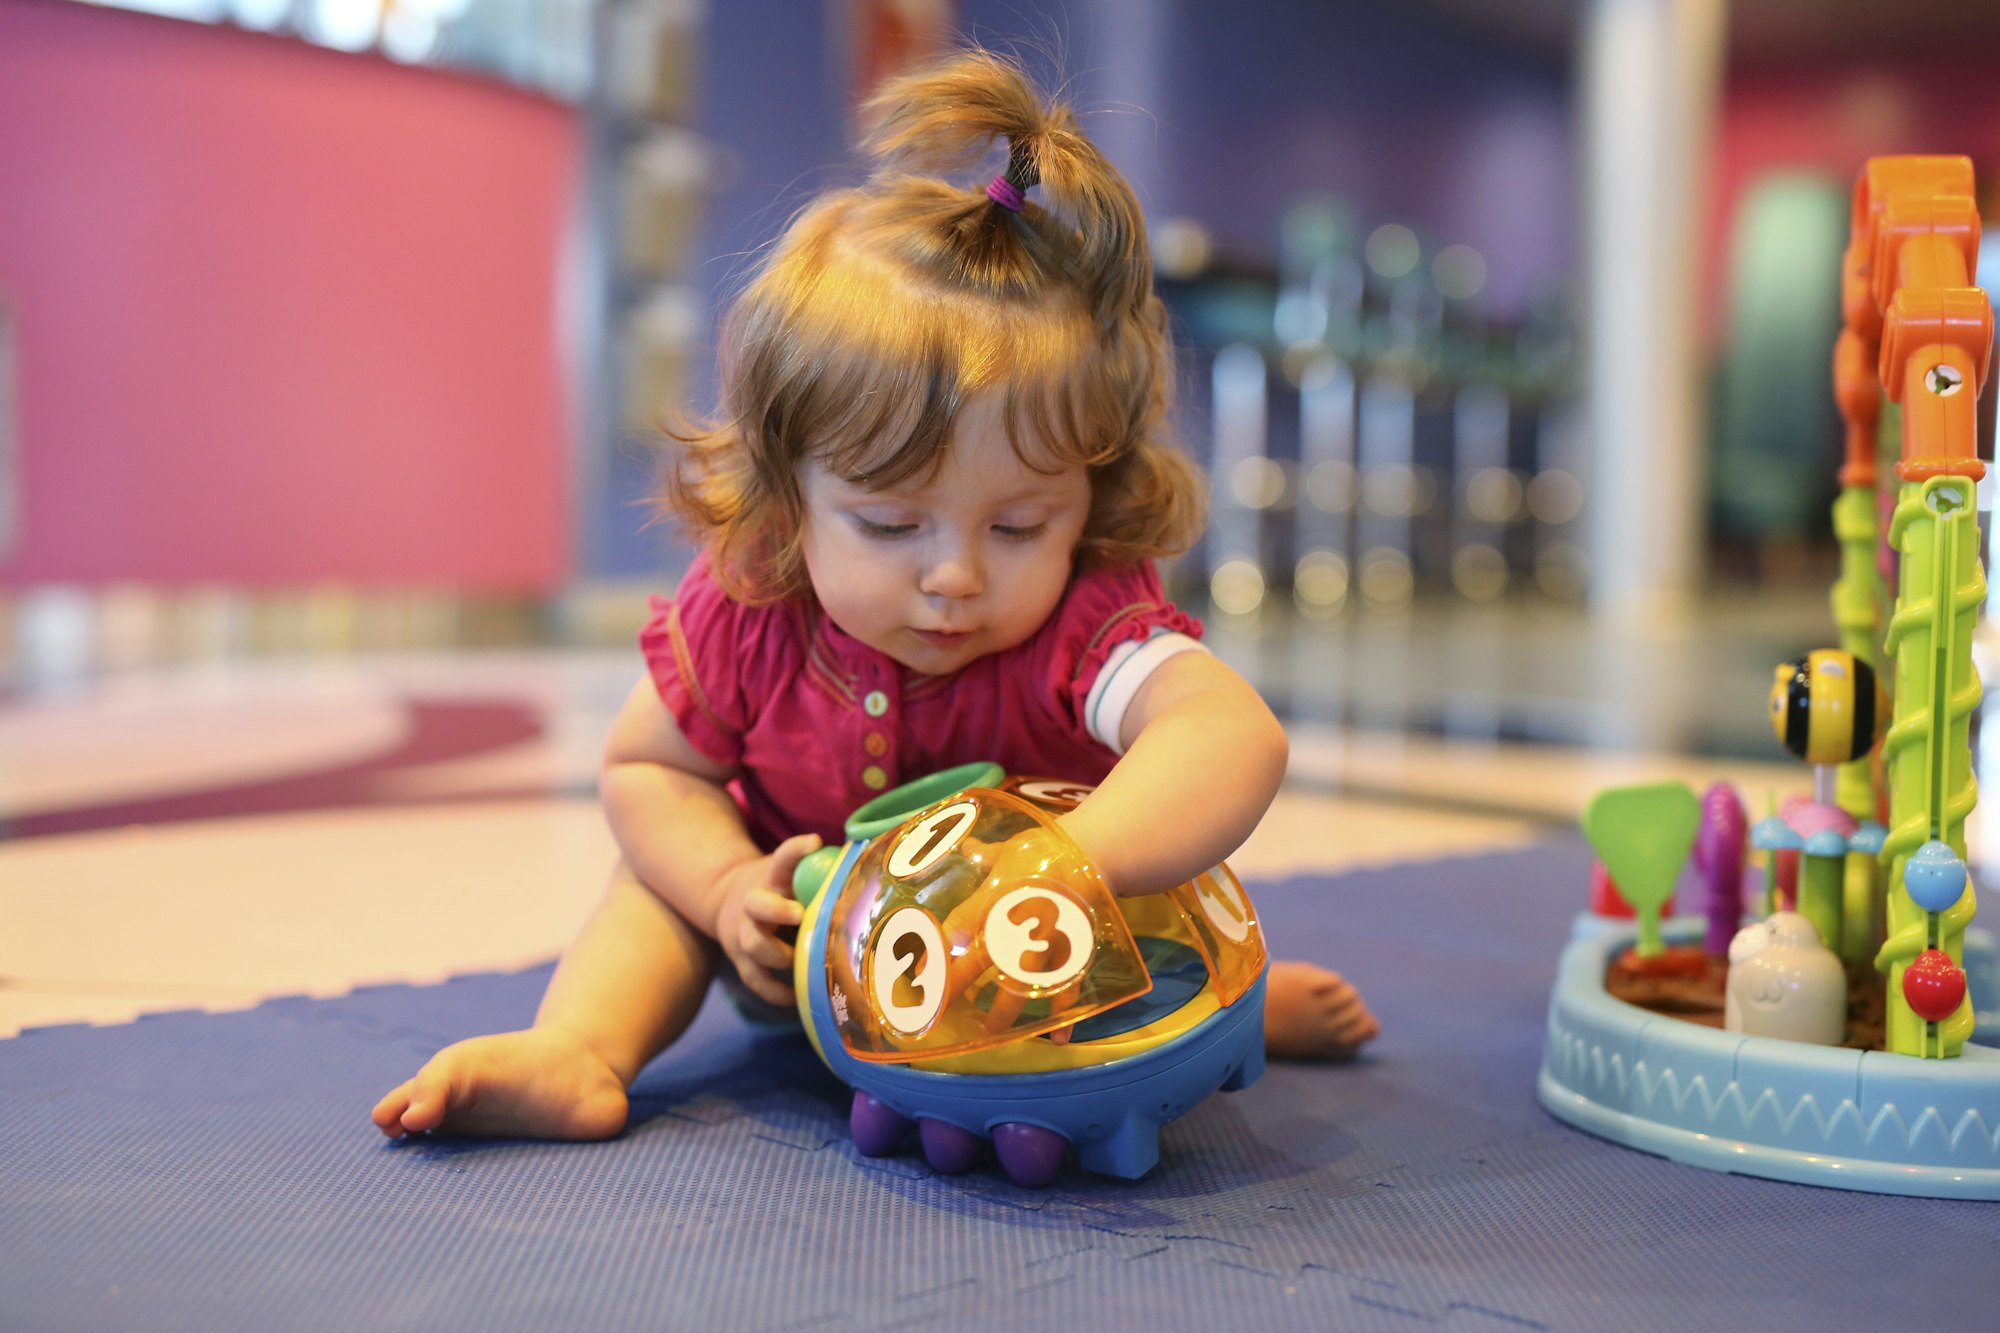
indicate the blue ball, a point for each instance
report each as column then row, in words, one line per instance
column 1934, row 877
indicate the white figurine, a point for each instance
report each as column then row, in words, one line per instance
column 1783, row 982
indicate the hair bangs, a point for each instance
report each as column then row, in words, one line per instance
column 1061, row 410
column 894, row 363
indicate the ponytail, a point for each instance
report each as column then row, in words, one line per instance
column 946, row 118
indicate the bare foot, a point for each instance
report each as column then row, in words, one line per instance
column 1313, row 1014
column 541, row 1083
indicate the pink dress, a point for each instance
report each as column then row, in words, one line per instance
column 817, row 723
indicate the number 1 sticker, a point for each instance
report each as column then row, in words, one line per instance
column 930, row 838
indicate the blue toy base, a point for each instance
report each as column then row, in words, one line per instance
column 1112, row 1113
column 1815, row 1115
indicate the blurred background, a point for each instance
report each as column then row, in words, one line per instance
column 340, row 330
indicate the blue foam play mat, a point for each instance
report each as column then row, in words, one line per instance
column 196, row 1171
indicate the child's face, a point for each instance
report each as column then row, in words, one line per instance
column 969, row 563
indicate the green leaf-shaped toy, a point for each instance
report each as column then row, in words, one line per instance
column 1643, row 835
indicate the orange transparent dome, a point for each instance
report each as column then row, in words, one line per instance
column 977, row 923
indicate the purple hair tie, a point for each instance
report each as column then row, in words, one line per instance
column 1006, row 194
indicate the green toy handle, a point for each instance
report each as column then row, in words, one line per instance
column 809, row 876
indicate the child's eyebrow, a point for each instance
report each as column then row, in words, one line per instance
column 1030, row 494
column 1040, row 490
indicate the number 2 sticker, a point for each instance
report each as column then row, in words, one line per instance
column 1037, row 937
column 910, row 946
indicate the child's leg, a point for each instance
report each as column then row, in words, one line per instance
column 1313, row 1014
column 631, row 982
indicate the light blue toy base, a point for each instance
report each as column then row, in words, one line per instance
column 1814, row 1115
column 1111, row 1113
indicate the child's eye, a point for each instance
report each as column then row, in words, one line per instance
column 884, row 531
column 1016, row 533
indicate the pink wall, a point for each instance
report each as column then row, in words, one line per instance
column 1833, row 117
column 282, row 314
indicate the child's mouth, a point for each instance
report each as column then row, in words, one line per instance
column 943, row 639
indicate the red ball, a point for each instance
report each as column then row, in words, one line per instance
column 1934, row 986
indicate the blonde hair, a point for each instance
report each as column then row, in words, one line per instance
column 883, row 309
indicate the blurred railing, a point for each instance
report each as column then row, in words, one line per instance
column 1372, row 434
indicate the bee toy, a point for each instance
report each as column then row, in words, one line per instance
column 1826, row 706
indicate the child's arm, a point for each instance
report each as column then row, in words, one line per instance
column 684, row 839
column 1203, row 759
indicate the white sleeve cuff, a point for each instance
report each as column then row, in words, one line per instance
column 1128, row 667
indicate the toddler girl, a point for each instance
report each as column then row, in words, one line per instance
column 929, row 513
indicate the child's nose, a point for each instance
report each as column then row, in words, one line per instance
column 954, row 574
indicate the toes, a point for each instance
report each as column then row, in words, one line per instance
column 388, row 1113
column 1346, row 1006
column 1359, row 1030
column 430, row 1099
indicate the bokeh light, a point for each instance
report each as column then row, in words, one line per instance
column 1236, row 587
column 1493, row 495
column 1387, row 583
column 1555, row 496
column 1459, row 272
column 1258, row 482
column 1330, row 486
column 1562, row 571
column 1392, row 250
column 1479, row 572
column 1390, row 490
column 1320, row 582
column 1181, row 247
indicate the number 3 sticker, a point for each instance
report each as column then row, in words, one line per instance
column 1037, row 937
column 1057, row 793
column 910, row 944
column 930, row 838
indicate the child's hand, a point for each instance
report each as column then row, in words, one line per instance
column 757, row 904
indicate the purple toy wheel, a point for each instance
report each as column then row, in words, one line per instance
column 948, row 1148
column 876, row 1128
column 1030, row 1154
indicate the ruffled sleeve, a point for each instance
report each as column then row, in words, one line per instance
column 691, row 645
column 1103, row 610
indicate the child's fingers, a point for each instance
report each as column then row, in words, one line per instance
column 789, row 853
column 755, row 943
column 966, row 967
column 766, row 986
column 772, row 908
